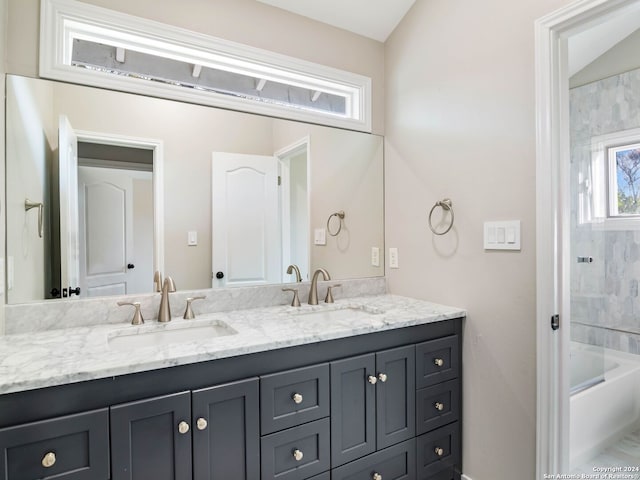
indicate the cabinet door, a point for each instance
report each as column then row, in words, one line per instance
column 353, row 417
column 146, row 439
column 226, row 433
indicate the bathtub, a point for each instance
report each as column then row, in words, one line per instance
column 602, row 409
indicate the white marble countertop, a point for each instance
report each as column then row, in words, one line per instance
column 56, row 357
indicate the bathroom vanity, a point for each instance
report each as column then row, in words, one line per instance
column 369, row 387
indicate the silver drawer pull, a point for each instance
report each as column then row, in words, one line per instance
column 201, row 423
column 297, row 454
column 439, row 406
column 297, row 398
column 382, row 377
column 438, row 362
column 183, row 427
column 376, row 476
column 49, row 460
column 372, row 380
column 439, row 451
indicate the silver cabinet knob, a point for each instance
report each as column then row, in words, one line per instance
column 438, row 362
column 372, row 380
column 439, row 451
column 382, row 377
column 49, row 460
column 439, row 406
column 376, row 476
column 297, row 454
column 297, row 398
column 183, row 427
column 201, row 424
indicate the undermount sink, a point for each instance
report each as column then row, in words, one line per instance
column 340, row 314
column 159, row 335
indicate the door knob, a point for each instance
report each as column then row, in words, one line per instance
column 297, row 454
column 372, row 380
column 439, row 451
column 219, row 275
column 439, row 406
column 130, row 266
column 382, row 377
column 438, row 362
column 201, row 423
column 297, row 398
column 55, row 293
column 49, row 460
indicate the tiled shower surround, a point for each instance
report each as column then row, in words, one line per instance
column 605, row 306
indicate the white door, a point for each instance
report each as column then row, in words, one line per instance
column 106, row 226
column 245, row 220
column 68, row 182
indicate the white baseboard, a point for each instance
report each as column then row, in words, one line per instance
column 465, row 477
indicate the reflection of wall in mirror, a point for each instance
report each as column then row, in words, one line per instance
column 31, row 141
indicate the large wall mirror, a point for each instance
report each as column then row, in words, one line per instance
column 104, row 188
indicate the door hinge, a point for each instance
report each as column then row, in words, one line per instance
column 279, row 180
column 555, row 322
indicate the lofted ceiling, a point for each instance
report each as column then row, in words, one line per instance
column 375, row 19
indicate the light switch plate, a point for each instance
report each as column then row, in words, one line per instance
column 320, row 236
column 502, row 235
column 375, row 256
column 192, row 238
column 393, row 258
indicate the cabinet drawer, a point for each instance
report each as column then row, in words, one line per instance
column 448, row 474
column 76, row 447
column 438, row 450
column 437, row 406
column 278, row 452
column 437, row 361
column 394, row 463
column 294, row 397
column 322, row 476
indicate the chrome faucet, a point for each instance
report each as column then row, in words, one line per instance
column 294, row 268
column 313, row 289
column 164, row 314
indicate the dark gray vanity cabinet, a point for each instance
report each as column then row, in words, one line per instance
column 217, row 427
column 372, row 403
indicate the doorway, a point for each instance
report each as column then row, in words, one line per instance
column 586, row 329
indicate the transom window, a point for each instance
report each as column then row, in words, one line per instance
column 91, row 45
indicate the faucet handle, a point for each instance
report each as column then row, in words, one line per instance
column 137, row 316
column 329, row 296
column 188, row 312
column 296, row 300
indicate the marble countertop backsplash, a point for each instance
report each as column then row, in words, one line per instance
column 77, row 353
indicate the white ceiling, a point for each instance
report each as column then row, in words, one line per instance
column 591, row 43
column 371, row 18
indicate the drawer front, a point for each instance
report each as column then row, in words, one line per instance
column 394, row 463
column 448, row 474
column 278, row 452
column 322, row 476
column 437, row 406
column 294, row 397
column 75, row 447
column 438, row 451
column 437, row 361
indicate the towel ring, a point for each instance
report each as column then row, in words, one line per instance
column 447, row 205
column 340, row 216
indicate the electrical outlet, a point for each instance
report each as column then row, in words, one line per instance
column 375, row 256
column 393, row 258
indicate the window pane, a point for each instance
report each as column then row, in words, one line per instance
column 628, row 179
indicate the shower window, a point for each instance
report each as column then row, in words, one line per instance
column 609, row 189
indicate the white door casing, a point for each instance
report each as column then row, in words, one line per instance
column 246, row 244
column 553, row 224
column 68, row 180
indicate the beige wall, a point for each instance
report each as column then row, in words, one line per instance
column 460, row 123
column 244, row 21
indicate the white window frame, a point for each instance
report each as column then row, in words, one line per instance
column 64, row 20
column 604, row 182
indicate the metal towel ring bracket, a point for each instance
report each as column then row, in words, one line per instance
column 340, row 216
column 445, row 204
